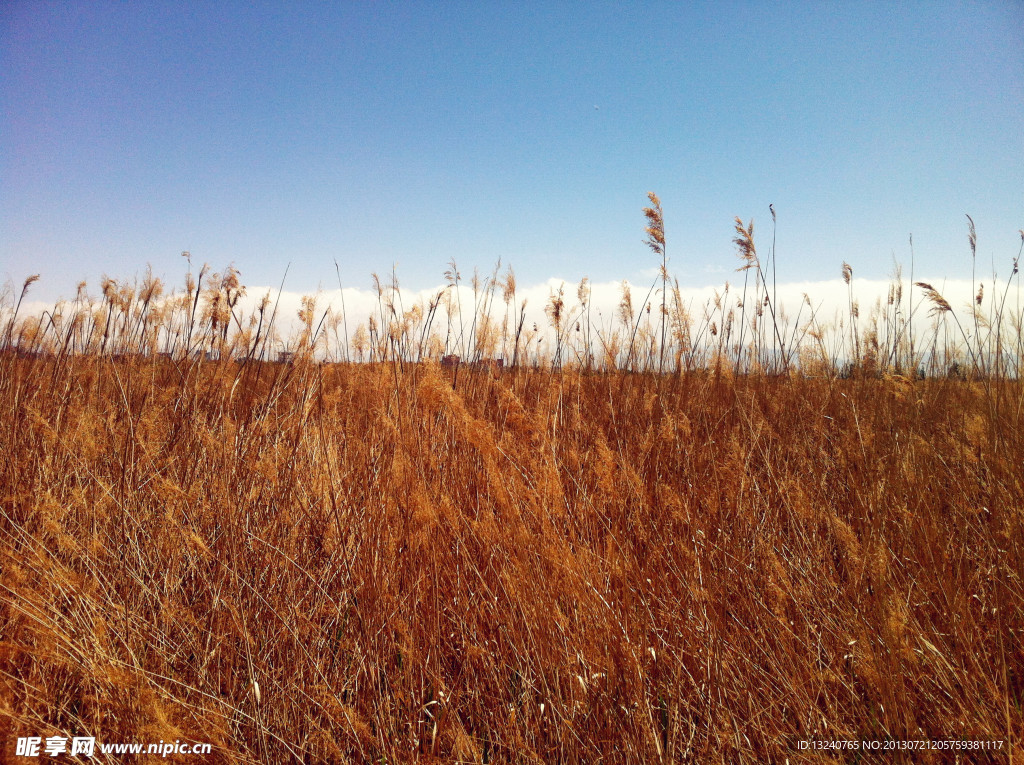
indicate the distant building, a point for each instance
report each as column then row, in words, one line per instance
column 495, row 365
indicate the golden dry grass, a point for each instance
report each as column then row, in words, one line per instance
column 410, row 563
column 786, row 534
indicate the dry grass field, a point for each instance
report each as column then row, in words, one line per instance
column 679, row 551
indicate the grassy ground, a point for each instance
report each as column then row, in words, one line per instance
column 369, row 563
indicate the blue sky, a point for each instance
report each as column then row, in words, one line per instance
column 408, row 134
